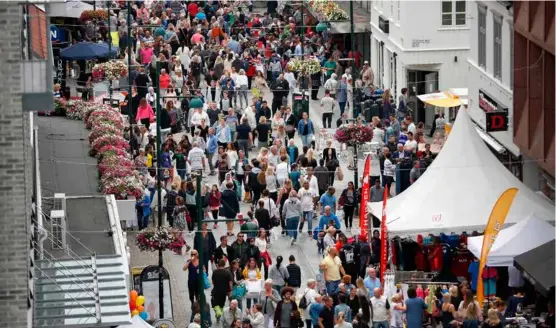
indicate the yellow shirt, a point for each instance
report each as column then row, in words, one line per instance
column 149, row 160
column 332, row 268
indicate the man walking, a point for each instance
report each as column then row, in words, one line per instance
column 327, row 104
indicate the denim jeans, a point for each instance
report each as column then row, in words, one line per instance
column 144, row 222
column 243, row 144
column 342, row 107
column 308, row 217
column 381, row 324
column 332, row 287
column 306, row 139
column 291, row 226
column 251, row 301
column 181, row 173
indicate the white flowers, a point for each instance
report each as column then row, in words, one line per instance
column 111, row 70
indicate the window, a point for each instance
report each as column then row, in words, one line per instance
column 453, row 13
column 497, row 38
column 482, row 36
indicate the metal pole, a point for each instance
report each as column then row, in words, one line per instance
column 158, row 189
column 109, row 49
column 355, row 161
column 129, row 80
column 200, row 252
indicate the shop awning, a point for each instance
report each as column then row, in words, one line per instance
column 441, row 99
column 71, row 9
column 538, row 266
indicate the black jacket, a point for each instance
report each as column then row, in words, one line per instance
column 281, row 88
column 251, row 252
column 295, row 275
column 165, row 120
column 263, row 217
column 239, row 251
column 198, row 244
column 219, row 254
column 230, row 205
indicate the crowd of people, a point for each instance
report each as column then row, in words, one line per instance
column 244, row 132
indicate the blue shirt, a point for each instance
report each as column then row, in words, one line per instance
column 328, row 200
column 323, row 222
column 474, row 271
column 371, row 284
column 315, row 311
column 343, row 308
column 212, row 145
column 146, row 205
column 414, row 313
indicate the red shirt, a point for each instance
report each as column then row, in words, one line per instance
column 460, row 264
column 165, row 81
column 193, row 9
column 435, row 258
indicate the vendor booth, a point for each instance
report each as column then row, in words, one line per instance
column 538, row 266
column 514, row 241
column 458, row 190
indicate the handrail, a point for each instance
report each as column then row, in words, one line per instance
column 75, row 300
column 69, row 276
column 76, row 239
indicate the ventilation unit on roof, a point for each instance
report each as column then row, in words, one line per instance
column 58, row 229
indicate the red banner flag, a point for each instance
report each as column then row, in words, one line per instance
column 383, row 237
column 365, row 192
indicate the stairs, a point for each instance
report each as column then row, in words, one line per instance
column 88, row 292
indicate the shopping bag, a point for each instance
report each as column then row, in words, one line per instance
column 206, row 280
column 238, row 292
column 339, row 174
column 254, row 288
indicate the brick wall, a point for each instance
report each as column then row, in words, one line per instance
column 15, row 175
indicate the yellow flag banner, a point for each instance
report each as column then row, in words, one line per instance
column 493, row 227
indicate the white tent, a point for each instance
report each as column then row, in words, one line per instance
column 68, row 8
column 513, row 241
column 136, row 322
column 459, row 189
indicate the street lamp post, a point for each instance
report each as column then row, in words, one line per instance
column 109, row 49
column 158, row 189
column 129, row 80
column 355, row 160
column 199, row 235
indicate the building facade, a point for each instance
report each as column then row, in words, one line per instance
column 490, row 77
column 533, row 85
column 425, row 53
column 16, row 177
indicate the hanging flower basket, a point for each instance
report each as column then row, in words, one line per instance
column 308, row 65
column 154, row 239
column 328, row 10
column 111, row 70
column 94, row 15
column 353, row 134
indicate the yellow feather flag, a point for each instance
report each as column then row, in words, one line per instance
column 493, row 227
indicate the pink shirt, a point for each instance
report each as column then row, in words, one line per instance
column 146, row 55
column 196, row 38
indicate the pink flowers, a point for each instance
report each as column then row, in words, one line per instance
column 111, row 70
column 154, row 239
column 115, row 140
column 103, row 129
column 354, row 134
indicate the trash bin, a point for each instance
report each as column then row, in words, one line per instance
column 300, row 104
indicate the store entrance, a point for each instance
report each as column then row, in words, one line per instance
column 421, row 82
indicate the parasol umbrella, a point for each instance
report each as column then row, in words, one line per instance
column 196, row 103
column 200, row 16
column 88, row 50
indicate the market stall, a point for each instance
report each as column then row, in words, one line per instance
column 538, row 266
column 531, row 233
column 458, row 190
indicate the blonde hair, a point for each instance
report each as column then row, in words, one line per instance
column 471, row 311
column 262, row 119
column 492, row 316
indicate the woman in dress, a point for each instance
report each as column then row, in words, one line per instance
column 263, row 243
column 260, row 86
column 232, row 155
column 251, row 272
column 271, row 183
column 192, row 267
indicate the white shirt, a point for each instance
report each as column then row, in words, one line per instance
column 282, row 171
column 290, row 78
column 310, row 298
column 232, row 158
column 154, row 201
column 273, row 159
column 306, row 197
column 378, row 136
column 389, row 168
column 225, row 252
column 196, row 156
column 261, row 244
column 197, row 117
column 412, row 128
column 380, row 313
column 270, row 206
column 327, row 104
column 313, row 183
column 241, row 80
column 412, row 144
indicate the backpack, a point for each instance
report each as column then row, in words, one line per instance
column 303, row 302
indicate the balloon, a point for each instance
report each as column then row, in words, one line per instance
column 140, row 308
column 133, row 295
column 132, row 305
column 144, row 315
column 140, row 300
column 134, row 313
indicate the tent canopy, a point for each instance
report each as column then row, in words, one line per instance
column 513, row 241
column 451, row 98
column 88, row 50
column 68, row 9
column 459, row 189
column 538, row 266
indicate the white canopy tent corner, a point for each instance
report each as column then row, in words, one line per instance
column 514, row 240
column 459, row 189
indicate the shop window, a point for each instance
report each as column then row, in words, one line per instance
column 497, row 42
column 482, row 36
column 453, row 13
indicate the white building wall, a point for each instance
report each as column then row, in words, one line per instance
column 420, row 41
column 483, row 78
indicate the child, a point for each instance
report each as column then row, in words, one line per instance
column 321, row 283
column 320, row 243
